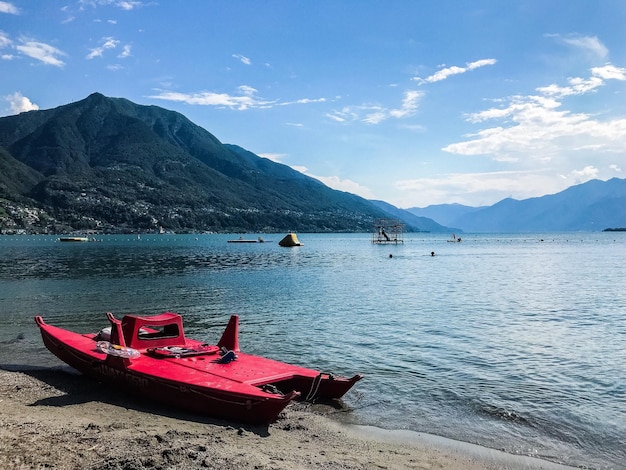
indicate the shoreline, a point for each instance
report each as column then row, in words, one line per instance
column 51, row 418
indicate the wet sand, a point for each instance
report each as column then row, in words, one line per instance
column 53, row 419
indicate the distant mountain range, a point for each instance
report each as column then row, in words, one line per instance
column 110, row 165
column 592, row 206
column 426, row 224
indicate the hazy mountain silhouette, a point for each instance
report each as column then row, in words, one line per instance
column 594, row 205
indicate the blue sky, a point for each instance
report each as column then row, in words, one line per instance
column 412, row 102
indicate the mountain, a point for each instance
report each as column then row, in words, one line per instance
column 422, row 224
column 591, row 206
column 111, row 165
column 446, row 214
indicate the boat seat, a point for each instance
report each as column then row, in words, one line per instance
column 154, row 331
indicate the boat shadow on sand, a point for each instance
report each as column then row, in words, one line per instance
column 78, row 389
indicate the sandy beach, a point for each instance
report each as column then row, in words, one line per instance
column 54, row 419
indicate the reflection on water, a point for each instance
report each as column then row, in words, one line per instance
column 506, row 341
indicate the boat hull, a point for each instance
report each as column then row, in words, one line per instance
column 250, row 389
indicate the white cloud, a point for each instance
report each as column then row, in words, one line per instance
column 347, row 114
column 106, row 43
column 246, row 100
column 4, row 40
column 41, row 51
column 590, row 45
column 301, row 169
column 304, row 101
column 577, row 86
column 581, row 86
column 128, row 5
column 375, row 117
column 537, row 127
column 333, row 182
column 609, row 72
column 374, row 114
column 125, row 52
column 339, row 184
column 19, row 103
column 275, row 157
column 242, row 58
column 454, row 70
column 6, row 7
column 336, row 116
column 483, row 189
column 247, row 90
column 123, row 4
column 346, row 185
column 478, row 189
column 480, row 63
column 586, row 174
column 409, row 104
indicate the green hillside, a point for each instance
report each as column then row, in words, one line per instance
column 107, row 164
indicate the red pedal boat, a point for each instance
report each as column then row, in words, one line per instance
column 150, row 355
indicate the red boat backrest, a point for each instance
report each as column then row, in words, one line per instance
column 117, row 337
column 154, row 331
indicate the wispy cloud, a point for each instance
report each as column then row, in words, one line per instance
column 128, row 5
column 123, row 4
column 485, row 188
column 447, row 72
column 303, row 101
column 6, row 7
column 242, row 58
column 589, row 45
column 19, row 103
column 580, row 176
column 339, row 184
column 346, row 185
column 537, row 127
column 275, row 157
column 409, row 105
column 580, row 86
column 375, row 114
column 105, row 43
column 246, row 98
column 125, row 52
column 4, row 39
column 46, row 53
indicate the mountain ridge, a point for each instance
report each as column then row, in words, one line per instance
column 590, row 206
column 110, row 165
column 107, row 164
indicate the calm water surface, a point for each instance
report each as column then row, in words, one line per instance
column 515, row 342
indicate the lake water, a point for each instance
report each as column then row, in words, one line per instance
column 513, row 342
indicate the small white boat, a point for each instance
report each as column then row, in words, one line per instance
column 74, row 239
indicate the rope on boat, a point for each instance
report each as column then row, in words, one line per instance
column 315, row 385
